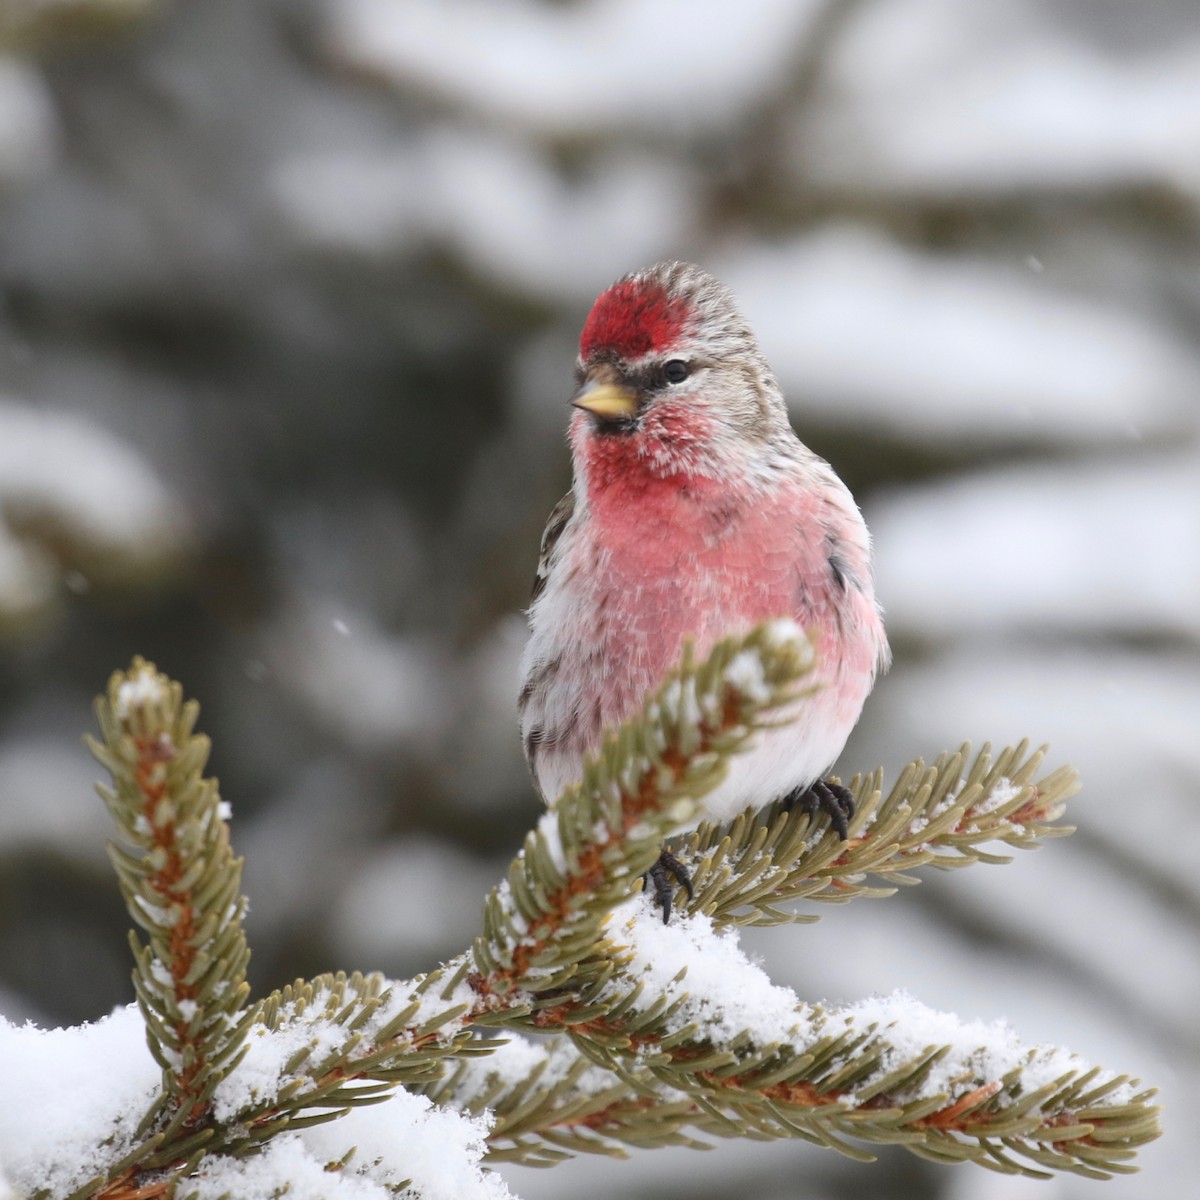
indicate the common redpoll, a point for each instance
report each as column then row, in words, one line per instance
column 695, row 513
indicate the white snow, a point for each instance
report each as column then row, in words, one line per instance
column 725, row 992
column 430, row 1004
column 679, row 698
column 746, row 670
column 980, row 1053
column 65, row 473
column 578, row 69
column 516, row 1060
column 407, row 1137
column 286, row 1163
column 936, row 96
column 140, row 690
column 515, row 920
column 518, row 221
column 782, row 631
column 513, row 1061
column 1003, row 791
column 263, row 1072
column 66, row 1091
column 1113, row 546
column 402, row 1138
column 865, row 331
column 920, row 823
column 350, row 199
column 78, row 474
column 496, row 200
column 258, row 1078
column 745, row 673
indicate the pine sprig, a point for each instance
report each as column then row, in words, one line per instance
column 637, row 1045
column 549, row 1103
column 942, row 815
column 592, row 848
column 182, row 886
column 346, row 1039
column 322, row 1047
column 755, row 1062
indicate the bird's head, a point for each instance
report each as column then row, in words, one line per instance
column 667, row 363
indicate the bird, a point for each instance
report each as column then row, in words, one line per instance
column 695, row 512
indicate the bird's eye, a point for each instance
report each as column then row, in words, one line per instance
column 676, row 370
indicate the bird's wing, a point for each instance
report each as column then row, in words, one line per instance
column 550, row 535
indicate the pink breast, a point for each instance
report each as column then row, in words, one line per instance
column 672, row 562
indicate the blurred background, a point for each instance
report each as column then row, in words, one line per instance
column 289, row 292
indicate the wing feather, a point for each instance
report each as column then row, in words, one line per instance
column 556, row 523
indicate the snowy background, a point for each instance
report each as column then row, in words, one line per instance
column 288, row 299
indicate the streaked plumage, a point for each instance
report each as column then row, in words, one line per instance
column 695, row 511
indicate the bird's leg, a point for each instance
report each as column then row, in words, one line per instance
column 664, row 890
column 828, row 796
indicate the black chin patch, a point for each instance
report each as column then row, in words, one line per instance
column 607, row 427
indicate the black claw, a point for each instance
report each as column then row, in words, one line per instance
column 664, row 890
column 827, row 796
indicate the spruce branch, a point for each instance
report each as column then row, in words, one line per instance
column 320, row 1047
column 624, row 1031
column 756, row 1062
column 591, row 849
column 942, row 815
column 181, row 884
column 549, row 1103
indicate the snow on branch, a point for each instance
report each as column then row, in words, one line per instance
column 548, row 1102
column 182, row 886
column 578, row 1022
column 603, row 833
column 701, row 1019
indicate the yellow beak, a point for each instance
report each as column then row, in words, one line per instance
column 607, row 400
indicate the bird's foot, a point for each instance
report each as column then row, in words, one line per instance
column 664, row 889
column 826, row 796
